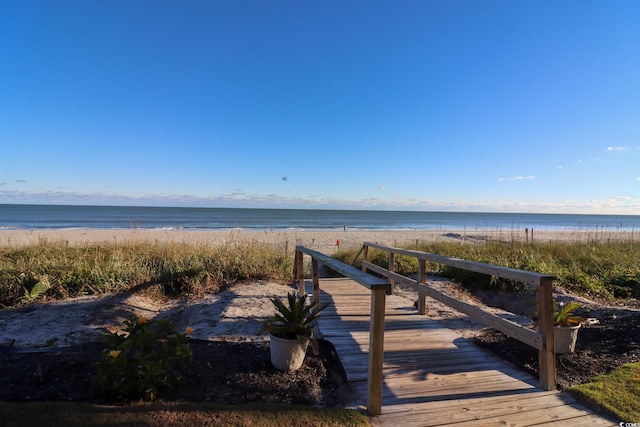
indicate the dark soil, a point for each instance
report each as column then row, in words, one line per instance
column 234, row 373
column 600, row 349
column 221, row 372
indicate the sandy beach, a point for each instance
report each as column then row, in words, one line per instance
column 325, row 241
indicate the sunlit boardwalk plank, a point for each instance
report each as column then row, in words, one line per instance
column 434, row 377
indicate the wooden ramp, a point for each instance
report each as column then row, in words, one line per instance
column 431, row 375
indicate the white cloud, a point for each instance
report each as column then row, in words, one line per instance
column 613, row 205
column 624, row 148
column 517, row 178
column 377, row 189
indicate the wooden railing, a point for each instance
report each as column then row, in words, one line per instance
column 379, row 288
column 542, row 339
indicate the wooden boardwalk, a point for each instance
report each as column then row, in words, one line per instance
column 434, row 377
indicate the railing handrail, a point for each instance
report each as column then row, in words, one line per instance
column 542, row 339
column 346, row 270
column 478, row 267
column 513, row 329
column 379, row 288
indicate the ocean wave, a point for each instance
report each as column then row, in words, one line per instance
column 61, row 217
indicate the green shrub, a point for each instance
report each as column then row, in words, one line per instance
column 144, row 362
column 624, row 286
column 403, row 264
column 347, row 256
column 33, row 288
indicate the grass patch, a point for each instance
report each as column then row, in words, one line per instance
column 61, row 414
column 617, row 392
column 184, row 270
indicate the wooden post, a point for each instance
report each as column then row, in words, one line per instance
column 422, row 278
column 376, row 350
column 300, row 270
column 546, row 356
column 365, row 257
column 295, row 265
column 316, row 283
column 392, row 268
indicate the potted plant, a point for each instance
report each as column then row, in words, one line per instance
column 291, row 331
column 566, row 325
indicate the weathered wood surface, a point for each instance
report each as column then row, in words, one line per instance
column 492, row 270
column 431, row 375
column 542, row 339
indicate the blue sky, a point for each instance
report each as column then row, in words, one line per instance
column 512, row 106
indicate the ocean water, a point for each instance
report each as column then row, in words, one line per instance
column 33, row 217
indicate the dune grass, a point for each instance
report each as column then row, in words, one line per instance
column 63, row 414
column 178, row 269
column 617, row 392
column 609, row 270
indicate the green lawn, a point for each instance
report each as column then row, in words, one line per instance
column 617, row 392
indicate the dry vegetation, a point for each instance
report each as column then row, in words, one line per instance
column 180, row 269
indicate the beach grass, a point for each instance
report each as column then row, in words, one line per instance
column 64, row 414
column 179, row 269
column 605, row 268
column 608, row 270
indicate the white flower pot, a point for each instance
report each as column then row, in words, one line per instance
column 287, row 355
column 564, row 338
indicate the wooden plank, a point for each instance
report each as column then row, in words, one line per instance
column 365, row 255
column 584, row 421
column 558, row 414
column 527, row 336
column 376, row 351
column 492, row 270
column 395, row 394
column 353, row 273
column 431, row 376
column 422, row 279
column 512, row 329
column 542, row 399
column 431, row 362
column 392, row 268
column 546, row 353
column 315, row 277
column 300, row 272
column 486, row 410
column 440, row 374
